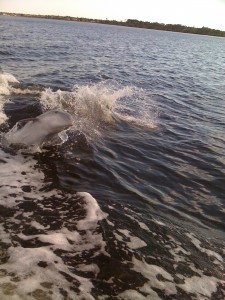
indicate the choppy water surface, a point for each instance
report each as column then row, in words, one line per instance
column 130, row 204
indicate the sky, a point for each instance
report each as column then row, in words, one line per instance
column 198, row 13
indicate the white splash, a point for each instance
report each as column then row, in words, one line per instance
column 102, row 102
column 5, row 80
column 5, row 90
column 94, row 213
column 3, row 116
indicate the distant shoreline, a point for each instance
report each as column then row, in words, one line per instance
column 130, row 23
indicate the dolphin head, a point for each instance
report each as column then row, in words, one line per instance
column 55, row 120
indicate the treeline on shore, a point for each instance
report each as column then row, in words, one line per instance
column 132, row 23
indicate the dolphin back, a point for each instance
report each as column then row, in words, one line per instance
column 34, row 132
column 20, row 124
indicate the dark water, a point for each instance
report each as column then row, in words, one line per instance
column 131, row 205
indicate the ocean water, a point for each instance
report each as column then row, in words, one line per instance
column 130, row 204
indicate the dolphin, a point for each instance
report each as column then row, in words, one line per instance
column 37, row 131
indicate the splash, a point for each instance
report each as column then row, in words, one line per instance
column 95, row 101
column 92, row 105
column 5, row 80
column 138, row 109
column 10, row 85
column 3, row 116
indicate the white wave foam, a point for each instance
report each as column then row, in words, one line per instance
column 23, row 262
column 27, row 91
column 3, row 116
column 133, row 242
column 134, row 295
column 94, row 213
column 202, row 286
column 51, row 256
column 151, row 272
column 16, row 172
column 5, row 80
column 164, row 277
column 22, row 275
column 197, row 244
column 5, row 237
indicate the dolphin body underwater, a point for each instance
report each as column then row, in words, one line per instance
column 37, row 131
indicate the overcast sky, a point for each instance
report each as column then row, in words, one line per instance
column 198, row 13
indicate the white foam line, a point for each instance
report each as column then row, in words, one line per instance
column 177, row 251
column 94, row 213
column 134, row 295
column 37, row 225
column 134, row 243
column 15, row 173
column 201, row 286
column 24, row 263
column 5, row 79
column 3, row 116
column 5, row 237
column 197, row 244
column 159, row 222
column 89, row 268
column 150, row 272
column 21, row 178
column 24, row 92
column 140, row 224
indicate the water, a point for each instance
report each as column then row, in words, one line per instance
column 131, row 204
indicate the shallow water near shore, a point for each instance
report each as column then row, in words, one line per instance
column 131, row 204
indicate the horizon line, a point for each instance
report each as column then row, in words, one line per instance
column 108, row 20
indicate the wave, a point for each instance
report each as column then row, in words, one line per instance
column 92, row 106
column 104, row 102
column 3, row 116
column 5, row 80
column 57, row 244
column 36, row 243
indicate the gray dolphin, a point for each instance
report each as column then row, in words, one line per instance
column 36, row 131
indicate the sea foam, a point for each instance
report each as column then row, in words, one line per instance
column 25, row 196
column 5, row 80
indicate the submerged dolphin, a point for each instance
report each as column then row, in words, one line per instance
column 36, row 131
